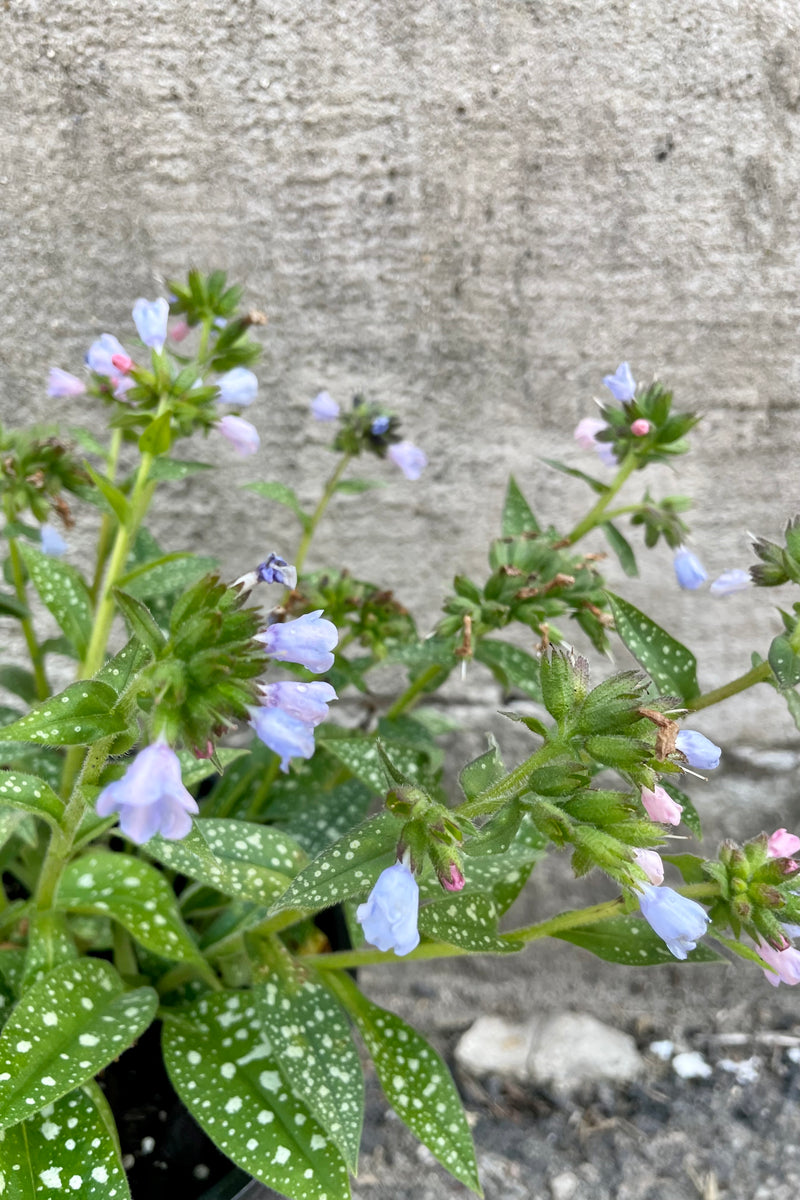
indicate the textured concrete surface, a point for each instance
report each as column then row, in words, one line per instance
column 472, row 211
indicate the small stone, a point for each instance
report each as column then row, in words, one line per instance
column 564, row 1186
column 663, row 1050
column 690, row 1064
column 745, row 1070
column 494, row 1046
column 573, row 1049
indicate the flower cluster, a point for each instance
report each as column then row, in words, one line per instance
column 367, row 427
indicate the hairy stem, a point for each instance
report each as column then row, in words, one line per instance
column 316, row 516
column 413, row 691
column 755, row 675
column 597, row 514
column 28, row 632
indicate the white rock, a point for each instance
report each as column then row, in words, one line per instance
column 663, row 1050
column 571, row 1049
column 691, row 1065
column 494, row 1046
column 746, row 1070
column 564, row 1186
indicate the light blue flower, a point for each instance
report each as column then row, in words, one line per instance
column 324, row 407
column 275, row 569
column 735, row 580
column 61, row 384
column 676, row 919
column 100, row 353
column 409, row 458
column 150, row 318
column 389, row 917
column 689, row 571
column 308, row 640
column 379, row 426
column 306, row 702
column 240, row 433
column 238, row 386
column 621, row 384
column 284, row 734
column 52, row 541
column 698, row 750
column 150, row 797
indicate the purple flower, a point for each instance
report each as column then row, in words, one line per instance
column 409, row 458
column 585, row 435
column 100, row 353
column 379, row 426
column 698, row 750
column 150, row 798
column 735, row 580
column 650, row 862
column 676, row 919
column 782, row 844
column 308, row 640
column 240, row 433
column 785, row 964
column 307, row 702
column 238, row 386
column 689, row 571
column 621, row 384
column 150, row 318
column 324, row 407
column 284, row 734
column 61, row 383
column 52, row 541
column 389, row 917
column 276, row 570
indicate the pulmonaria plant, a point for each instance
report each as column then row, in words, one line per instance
column 175, row 820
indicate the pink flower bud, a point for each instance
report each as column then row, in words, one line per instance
column 651, row 864
column 179, row 330
column 451, row 879
column 121, row 362
column 640, row 427
column 660, row 806
column 782, row 844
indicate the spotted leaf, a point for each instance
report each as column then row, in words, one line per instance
column 66, row 1027
column 62, row 589
column 78, row 716
column 361, row 756
column 226, row 1073
column 630, row 941
column 669, row 664
column 466, row 921
column 30, row 794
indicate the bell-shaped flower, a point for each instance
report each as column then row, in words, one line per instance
column 284, row 734
column 785, row 964
column 585, row 435
column 306, row 702
column 782, row 844
column 61, row 384
column 651, row 863
column 409, row 458
column 621, row 384
column 698, row 750
column 677, row 920
column 150, row 318
column 735, row 580
column 150, row 797
column 308, row 640
column 324, row 407
column 52, row 541
column 100, row 354
column 275, row 569
column 238, row 386
column 389, row 917
column 379, row 426
column 240, row 433
column 659, row 805
column 689, row 571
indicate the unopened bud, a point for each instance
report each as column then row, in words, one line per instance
column 122, row 362
column 640, row 427
column 451, row 878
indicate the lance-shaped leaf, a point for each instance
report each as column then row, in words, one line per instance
column 62, row 589
column 630, row 940
column 310, row 1037
column 517, row 514
column 282, row 495
column 343, row 807
column 347, row 868
column 177, row 468
column 362, row 757
column 78, row 716
column 482, row 772
column 225, row 1072
column 416, row 1082
column 511, row 666
column 67, row 1026
column 165, row 575
column 140, row 621
column 132, row 892
column 621, row 547
column 467, row 921
column 31, row 794
column 124, row 666
column 669, row 664
column 69, row 1146
column 784, row 662
column 194, row 770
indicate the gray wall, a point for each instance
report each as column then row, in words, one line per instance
column 470, row 210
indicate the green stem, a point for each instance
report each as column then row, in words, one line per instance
column 107, row 524
column 34, row 649
column 755, row 675
column 413, row 691
column 262, row 791
column 316, row 516
column 511, row 786
column 597, row 514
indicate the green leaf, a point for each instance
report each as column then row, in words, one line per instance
column 124, row 666
column 195, row 770
column 669, row 664
column 466, row 921
column 19, row 681
column 226, row 1073
column 355, row 487
column 67, row 1027
column 50, row 945
column 517, row 514
column 362, row 757
column 61, row 589
column 141, row 622
column 132, row 892
column 416, row 1083
column 78, row 716
column 284, row 495
column 594, row 484
column 11, row 606
column 237, row 858
column 793, row 704
column 622, row 548
column 511, row 666
column 313, row 1046
column 347, row 868
column 167, row 574
column 483, row 772
column 32, row 794
column 70, row 1146
column 157, row 437
column 784, row 662
column 175, row 468
column 689, row 816
column 116, row 499
column 630, row 941
column 330, row 817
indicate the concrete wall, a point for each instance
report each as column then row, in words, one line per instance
column 469, row 210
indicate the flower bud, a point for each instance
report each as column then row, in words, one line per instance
column 179, row 330
column 651, row 863
column 689, row 571
column 698, row 750
column 452, row 880
column 150, row 318
column 238, row 386
column 324, row 407
column 659, row 806
column 640, row 427
column 780, row 844
column 122, row 363
column 621, row 384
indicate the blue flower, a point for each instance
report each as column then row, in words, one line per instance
column 698, row 750
column 100, row 353
column 689, row 571
column 276, row 570
column 409, row 458
column 238, row 386
column 52, row 541
column 150, row 318
column 150, row 797
column 240, row 433
column 379, row 426
column 284, row 734
column 324, row 407
column 621, row 384
column 306, row 702
column 308, row 640
column 389, row 917
column 735, row 580
column 676, row 919
column 61, row 383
